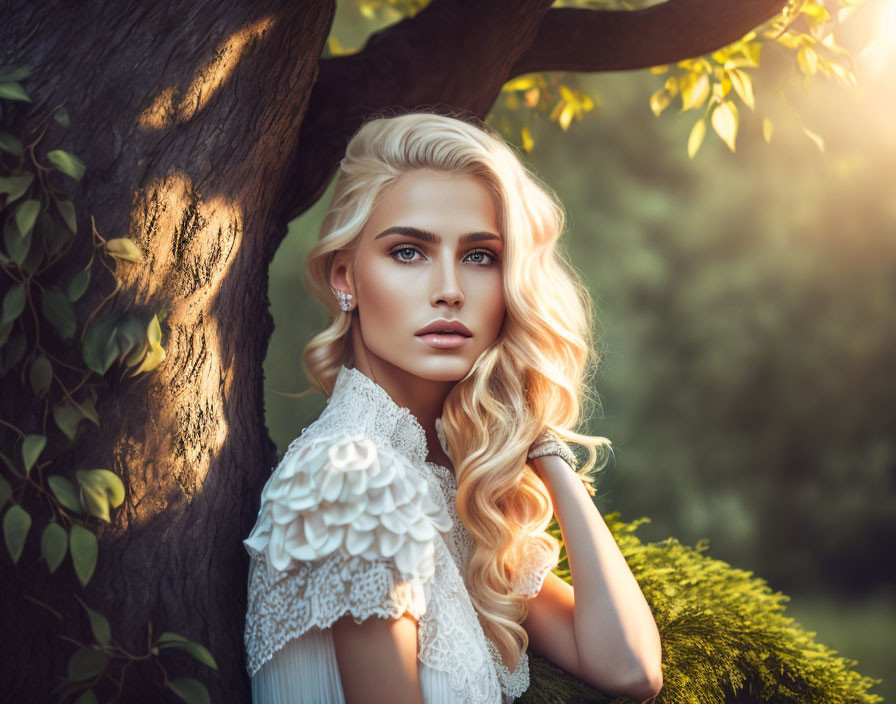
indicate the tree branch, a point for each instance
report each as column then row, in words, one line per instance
column 595, row 40
column 459, row 53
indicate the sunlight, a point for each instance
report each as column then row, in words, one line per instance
column 880, row 53
column 172, row 106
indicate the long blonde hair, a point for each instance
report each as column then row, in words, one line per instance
column 532, row 378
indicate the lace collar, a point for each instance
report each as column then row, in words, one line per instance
column 370, row 408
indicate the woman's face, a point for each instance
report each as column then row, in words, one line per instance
column 431, row 251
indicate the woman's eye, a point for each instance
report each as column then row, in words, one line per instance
column 483, row 258
column 404, row 254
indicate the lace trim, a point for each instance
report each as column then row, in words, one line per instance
column 317, row 594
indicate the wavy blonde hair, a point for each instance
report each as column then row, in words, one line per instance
column 532, row 378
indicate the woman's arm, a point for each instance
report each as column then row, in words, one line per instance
column 378, row 660
column 603, row 618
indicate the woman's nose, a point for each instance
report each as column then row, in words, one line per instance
column 446, row 285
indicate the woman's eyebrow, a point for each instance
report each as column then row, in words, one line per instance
column 432, row 238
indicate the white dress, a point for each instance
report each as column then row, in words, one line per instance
column 354, row 520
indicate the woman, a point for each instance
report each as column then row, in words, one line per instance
column 400, row 553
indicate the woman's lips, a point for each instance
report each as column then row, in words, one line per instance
column 443, row 341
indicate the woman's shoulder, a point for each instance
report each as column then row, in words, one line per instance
column 350, row 493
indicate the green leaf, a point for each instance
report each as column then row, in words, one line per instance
column 94, row 496
column 26, row 214
column 78, row 285
column 67, row 417
column 84, row 552
column 67, row 210
column 99, row 624
column 694, row 89
column 67, row 163
column 55, row 238
column 724, row 122
column 65, row 493
column 195, row 650
column 10, row 143
column 41, row 375
column 100, row 346
column 5, row 329
column 743, row 86
column 88, row 410
column 15, row 186
column 14, row 351
column 86, row 663
column 16, row 523
column 698, row 132
column 59, row 311
column 124, row 248
column 32, row 446
column 36, row 253
column 16, row 246
column 5, row 492
column 54, row 545
column 190, row 690
column 87, row 697
column 61, row 116
column 13, row 91
column 130, row 335
column 14, row 74
column 13, row 304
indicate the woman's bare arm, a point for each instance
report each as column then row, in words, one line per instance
column 378, row 660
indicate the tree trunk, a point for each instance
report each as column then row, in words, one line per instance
column 186, row 116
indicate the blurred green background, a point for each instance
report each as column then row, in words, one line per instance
column 746, row 322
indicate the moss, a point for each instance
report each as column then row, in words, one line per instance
column 724, row 634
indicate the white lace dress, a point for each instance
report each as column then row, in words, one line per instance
column 354, row 520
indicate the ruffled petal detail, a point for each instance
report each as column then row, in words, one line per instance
column 349, row 496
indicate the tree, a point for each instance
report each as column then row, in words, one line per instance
column 203, row 133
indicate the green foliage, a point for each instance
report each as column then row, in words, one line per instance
column 723, row 632
column 65, row 373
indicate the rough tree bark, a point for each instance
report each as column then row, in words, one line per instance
column 205, row 128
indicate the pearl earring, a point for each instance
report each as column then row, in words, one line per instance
column 345, row 300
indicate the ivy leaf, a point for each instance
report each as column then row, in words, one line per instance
column 86, row 663
column 67, row 210
column 10, row 143
column 84, row 552
column 190, row 690
column 100, row 346
column 59, row 312
column 16, row 246
column 67, row 417
column 99, row 624
column 67, row 163
column 124, row 248
column 88, row 410
column 12, row 90
column 87, row 697
column 724, row 122
column 16, row 523
column 61, row 116
column 195, row 650
column 14, row 74
column 55, row 237
column 13, row 304
column 94, row 496
column 156, row 353
column 15, row 186
column 54, row 545
column 698, row 132
column 26, row 214
column 41, row 375
column 78, row 285
column 32, row 446
column 65, row 493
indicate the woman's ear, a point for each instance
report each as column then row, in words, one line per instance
column 341, row 278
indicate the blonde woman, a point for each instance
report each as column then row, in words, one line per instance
column 400, row 552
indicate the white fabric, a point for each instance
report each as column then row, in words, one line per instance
column 354, row 520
